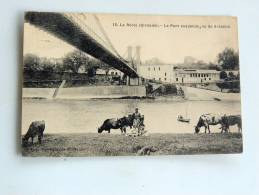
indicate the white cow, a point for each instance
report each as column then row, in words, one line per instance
column 206, row 120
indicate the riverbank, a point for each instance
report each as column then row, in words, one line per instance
column 86, row 92
column 93, row 144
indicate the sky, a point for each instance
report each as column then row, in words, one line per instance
column 170, row 39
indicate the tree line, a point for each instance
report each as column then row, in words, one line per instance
column 73, row 62
column 228, row 59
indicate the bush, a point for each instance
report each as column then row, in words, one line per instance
column 166, row 89
column 233, row 85
column 223, row 75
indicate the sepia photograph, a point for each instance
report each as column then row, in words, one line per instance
column 98, row 84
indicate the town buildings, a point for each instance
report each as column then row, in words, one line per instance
column 196, row 76
column 168, row 74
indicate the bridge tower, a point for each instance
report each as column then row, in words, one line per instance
column 129, row 51
column 135, row 63
column 138, row 62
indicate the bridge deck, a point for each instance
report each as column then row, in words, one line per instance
column 65, row 29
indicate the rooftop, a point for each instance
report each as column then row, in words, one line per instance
column 157, row 64
column 184, row 71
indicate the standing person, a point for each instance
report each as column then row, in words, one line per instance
column 136, row 114
column 136, row 119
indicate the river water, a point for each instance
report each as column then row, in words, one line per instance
column 83, row 116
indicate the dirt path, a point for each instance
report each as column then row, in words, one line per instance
column 203, row 94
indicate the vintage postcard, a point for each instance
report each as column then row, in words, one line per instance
column 125, row 84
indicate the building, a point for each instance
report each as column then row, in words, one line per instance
column 100, row 71
column 111, row 72
column 167, row 74
column 115, row 72
column 81, row 69
column 196, row 76
column 158, row 72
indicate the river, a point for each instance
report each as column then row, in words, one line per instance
column 84, row 116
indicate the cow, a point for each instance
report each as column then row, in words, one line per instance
column 230, row 121
column 126, row 121
column 36, row 128
column 109, row 124
column 206, row 120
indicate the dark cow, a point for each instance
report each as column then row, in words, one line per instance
column 109, row 124
column 131, row 121
column 126, row 121
column 36, row 129
column 230, row 121
column 206, row 120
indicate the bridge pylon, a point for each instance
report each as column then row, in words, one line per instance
column 134, row 62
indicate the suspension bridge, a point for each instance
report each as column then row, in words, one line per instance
column 86, row 33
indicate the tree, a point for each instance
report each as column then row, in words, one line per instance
column 74, row 60
column 231, row 75
column 228, row 59
column 223, row 75
column 91, row 72
column 93, row 64
column 233, row 85
column 47, row 65
column 31, row 62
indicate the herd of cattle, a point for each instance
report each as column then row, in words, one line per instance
column 37, row 128
column 225, row 121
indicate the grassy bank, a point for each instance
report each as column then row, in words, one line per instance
column 92, row 144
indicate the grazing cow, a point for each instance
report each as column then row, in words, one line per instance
column 206, row 120
column 230, row 121
column 109, row 124
column 36, row 129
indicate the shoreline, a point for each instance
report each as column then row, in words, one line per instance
column 172, row 98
